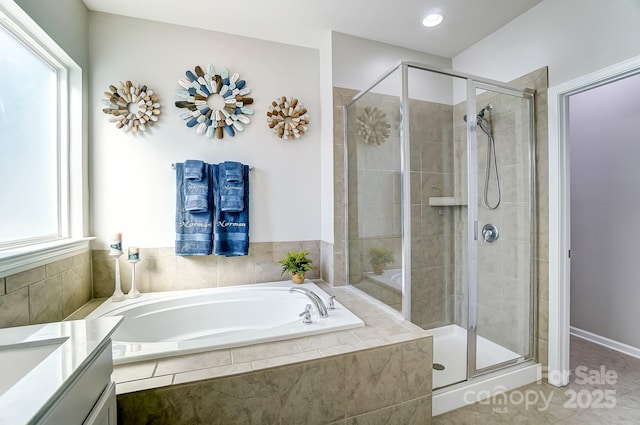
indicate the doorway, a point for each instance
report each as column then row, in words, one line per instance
column 560, row 209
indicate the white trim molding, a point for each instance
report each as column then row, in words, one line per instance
column 19, row 260
column 629, row 350
column 559, row 210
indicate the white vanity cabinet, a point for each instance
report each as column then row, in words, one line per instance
column 81, row 398
column 71, row 385
column 104, row 412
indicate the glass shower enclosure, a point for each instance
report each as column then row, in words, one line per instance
column 440, row 213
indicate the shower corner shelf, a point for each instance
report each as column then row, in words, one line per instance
column 445, row 201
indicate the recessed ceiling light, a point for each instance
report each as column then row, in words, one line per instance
column 432, row 20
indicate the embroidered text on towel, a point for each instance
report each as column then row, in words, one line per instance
column 224, row 223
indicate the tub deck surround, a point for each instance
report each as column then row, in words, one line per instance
column 380, row 329
column 380, row 373
column 166, row 324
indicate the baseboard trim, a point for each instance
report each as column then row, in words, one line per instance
column 605, row 342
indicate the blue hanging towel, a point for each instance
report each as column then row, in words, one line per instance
column 196, row 187
column 231, row 186
column 193, row 229
column 231, row 229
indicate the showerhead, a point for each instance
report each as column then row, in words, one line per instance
column 487, row 108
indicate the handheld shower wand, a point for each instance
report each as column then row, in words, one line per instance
column 491, row 154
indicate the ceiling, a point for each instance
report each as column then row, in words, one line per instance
column 307, row 23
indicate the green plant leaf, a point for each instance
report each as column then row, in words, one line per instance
column 296, row 262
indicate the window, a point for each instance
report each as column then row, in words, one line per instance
column 34, row 141
column 43, row 210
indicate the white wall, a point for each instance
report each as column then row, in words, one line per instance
column 358, row 63
column 131, row 183
column 572, row 37
column 605, row 201
column 66, row 23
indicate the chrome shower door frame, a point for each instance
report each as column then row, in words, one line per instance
column 473, row 85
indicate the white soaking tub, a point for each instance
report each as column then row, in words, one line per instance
column 164, row 324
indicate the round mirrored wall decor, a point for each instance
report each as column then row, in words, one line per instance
column 215, row 102
column 133, row 107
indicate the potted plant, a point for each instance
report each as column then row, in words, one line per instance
column 296, row 264
column 379, row 257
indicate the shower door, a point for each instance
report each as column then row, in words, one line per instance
column 501, row 227
column 374, row 192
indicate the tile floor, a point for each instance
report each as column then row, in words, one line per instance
column 604, row 389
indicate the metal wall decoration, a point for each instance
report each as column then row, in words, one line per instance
column 215, row 101
column 132, row 106
column 288, row 118
column 373, row 126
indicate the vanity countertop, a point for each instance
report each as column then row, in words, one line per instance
column 38, row 362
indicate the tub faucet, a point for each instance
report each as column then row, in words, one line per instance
column 315, row 299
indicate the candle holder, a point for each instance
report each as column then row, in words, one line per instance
column 133, row 293
column 118, row 295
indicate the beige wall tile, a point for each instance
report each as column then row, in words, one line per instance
column 197, row 272
column 285, row 360
column 14, row 308
column 141, row 385
column 191, row 362
column 161, row 405
column 416, row 412
column 58, row 267
column 388, row 415
column 83, row 258
column 133, row 371
column 76, row 288
column 312, row 393
column 156, row 274
column 327, row 340
column 373, row 379
column 263, row 351
column 45, row 301
column 236, row 271
column 212, row 372
column 251, row 399
column 25, row 278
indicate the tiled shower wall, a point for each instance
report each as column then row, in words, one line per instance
column 47, row 293
column 432, row 243
column 341, row 96
column 161, row 270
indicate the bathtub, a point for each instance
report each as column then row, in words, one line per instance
column 164, row 324
column 389, row 278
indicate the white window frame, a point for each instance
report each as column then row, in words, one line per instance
column 72, row 152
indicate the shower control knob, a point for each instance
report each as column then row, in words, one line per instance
column 490, row 233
